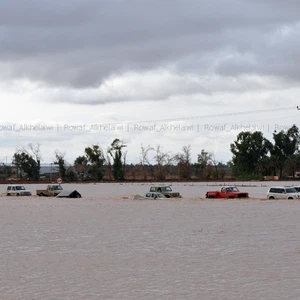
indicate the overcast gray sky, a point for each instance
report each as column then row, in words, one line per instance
column 157, row 68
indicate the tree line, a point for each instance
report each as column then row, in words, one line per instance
column 253, row 156
column 256, row 156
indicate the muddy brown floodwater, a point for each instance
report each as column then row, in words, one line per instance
column 107, row 245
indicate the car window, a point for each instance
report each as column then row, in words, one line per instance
column 20, row 188
column 223, row 190
column 291, row 190
column 167, row 189
column 148, row 195
column 152, row 189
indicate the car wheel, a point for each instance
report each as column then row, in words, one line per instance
column 8, row 195
column 211, row 197
column 230, row 197
column 271, row 197
column 290, row 198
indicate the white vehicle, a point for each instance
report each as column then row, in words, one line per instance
column 52, row 190
column 155, row 196
column 17, row 190
column 283, row 193
column 297, row 188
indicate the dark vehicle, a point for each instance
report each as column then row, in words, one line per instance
column 69, row 194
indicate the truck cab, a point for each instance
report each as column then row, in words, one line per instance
column 52, row 190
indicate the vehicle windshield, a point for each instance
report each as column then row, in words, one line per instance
column 291, row 190
column 160, row 196
column 167, row 189
column 57, row 187
column 232, row 189
column 19, row 188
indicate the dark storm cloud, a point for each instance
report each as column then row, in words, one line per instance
column 79, row 43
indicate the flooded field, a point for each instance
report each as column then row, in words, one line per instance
column 107, row 245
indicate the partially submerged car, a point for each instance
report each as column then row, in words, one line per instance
column 17, row 190
column 52, row 190
column 165, row 190
column 155, row 196
column 282, row 192
column 69, row 194
column 228, row 192
column 297, row 188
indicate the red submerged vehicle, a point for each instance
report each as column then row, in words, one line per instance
column 228, row 192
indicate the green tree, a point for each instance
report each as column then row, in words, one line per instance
column 285, row 145
column 95, row 159
column 248, row 150
column 80, row 165
column 292, row 164
column 28, row 162
column 27, row 165
column 60, row 161
column 265, row 166
column 203, row 167
column 115, row 151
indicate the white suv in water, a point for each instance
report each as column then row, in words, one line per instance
column 283, row 193
column 17, row 190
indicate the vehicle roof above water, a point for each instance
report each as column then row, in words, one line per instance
column 282, row 187
column 229, row 186
column 161, row 186
column 15, row 185
column 286, row 188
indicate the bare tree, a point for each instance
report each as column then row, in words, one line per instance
column 215, row 164
column 144, row 160
column 184, row 163
column 163, row 160
column 36, row 150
